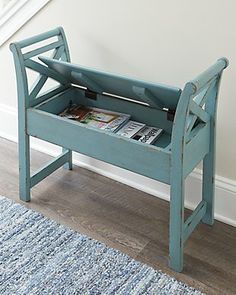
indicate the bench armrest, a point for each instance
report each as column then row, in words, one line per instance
column 202, row 80
column 206, row 85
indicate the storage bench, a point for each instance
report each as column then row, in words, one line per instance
column 186, row 116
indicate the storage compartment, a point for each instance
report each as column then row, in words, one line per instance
column 138, row 111
column 149, row 103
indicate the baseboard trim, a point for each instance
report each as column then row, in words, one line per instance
column 225, row 188
column 16, row 14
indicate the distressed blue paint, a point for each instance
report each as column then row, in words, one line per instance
column 158, row 94
column 186, row 141
column 101, row 145
column 28, row 98
column 193, row 151
column 194, row 219
column 49, row 168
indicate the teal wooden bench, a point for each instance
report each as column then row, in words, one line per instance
column 187, row 117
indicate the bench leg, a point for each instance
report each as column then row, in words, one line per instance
column 68, row 165
column 176, row 242
column 24, row 167
column 208, row 179
column 208, row 186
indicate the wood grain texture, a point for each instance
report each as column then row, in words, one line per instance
column 164, row 165
column 126, row 219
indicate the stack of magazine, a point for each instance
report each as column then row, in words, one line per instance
column 112, row 121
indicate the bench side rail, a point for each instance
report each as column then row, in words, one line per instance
column 26, row 58
column 198, row 102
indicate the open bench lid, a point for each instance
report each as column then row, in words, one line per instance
column 156, row 95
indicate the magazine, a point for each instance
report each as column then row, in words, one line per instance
column 117, row 123
column 112, row 121
column 148, row 134
column 81, row 113
column 94, row 117
column 130, row 129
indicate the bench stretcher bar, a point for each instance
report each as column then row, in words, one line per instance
column 49, row 168
column 194, row 219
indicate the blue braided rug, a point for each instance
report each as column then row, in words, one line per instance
column 38, row 256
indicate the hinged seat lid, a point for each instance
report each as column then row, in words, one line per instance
column 156, row 95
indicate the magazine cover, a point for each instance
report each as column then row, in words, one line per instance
column 97, row 118
column 81, row 113
column 75, row 112
column 97, row 115
column 117, row 123
column 148, row 134
column 130, row 129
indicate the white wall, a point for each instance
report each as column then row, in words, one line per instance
column 3, row 3
column 162, row 41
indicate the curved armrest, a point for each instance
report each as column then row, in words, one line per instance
column 207, row 83
column 206, row 77
column 38, row 38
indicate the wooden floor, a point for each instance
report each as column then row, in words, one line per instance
column 126, row 219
